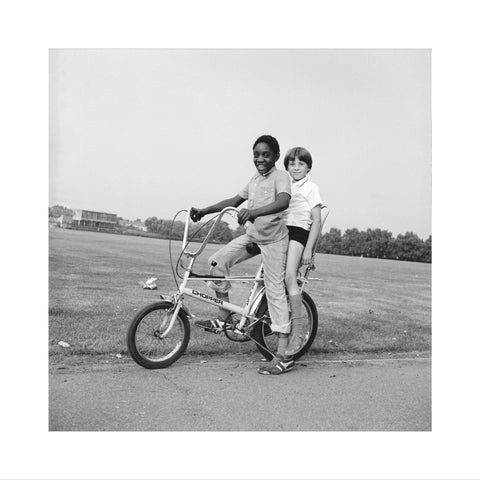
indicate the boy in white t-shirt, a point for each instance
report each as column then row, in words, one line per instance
column 303, row 222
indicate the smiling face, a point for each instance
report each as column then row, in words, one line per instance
column 297, row 169
column 264, row 158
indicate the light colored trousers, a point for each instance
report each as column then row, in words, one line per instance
column 274, row 259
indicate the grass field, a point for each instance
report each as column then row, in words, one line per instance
column 365, row 305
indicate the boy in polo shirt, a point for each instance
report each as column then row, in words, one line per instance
column 268, row 195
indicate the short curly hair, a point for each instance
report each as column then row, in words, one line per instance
column 298, row 152
column 270, row 141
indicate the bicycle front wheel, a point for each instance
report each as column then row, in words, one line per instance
column 147, row 342
column 267, row 342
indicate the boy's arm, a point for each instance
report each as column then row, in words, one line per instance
column 308, row 252
column 281, row 203
column 197, row 213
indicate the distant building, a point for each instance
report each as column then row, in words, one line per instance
column 129, row 224
column 90, row 219
column 53, row 222
column 140, row 226
column 65, row 220
column 122, row 222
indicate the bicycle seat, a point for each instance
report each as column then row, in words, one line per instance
column 253, row 248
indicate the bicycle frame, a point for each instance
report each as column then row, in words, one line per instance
column 254, row 297
column 147, row 334
column 256, row 292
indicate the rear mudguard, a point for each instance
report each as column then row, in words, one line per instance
column 257, row 301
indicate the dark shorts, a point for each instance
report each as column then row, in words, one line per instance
column 298, row 234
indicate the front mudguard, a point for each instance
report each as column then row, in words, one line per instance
column 171, row 299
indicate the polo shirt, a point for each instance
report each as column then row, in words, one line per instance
column 305, row 197
column 260, row 191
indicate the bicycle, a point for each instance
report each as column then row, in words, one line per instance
column 159, row 334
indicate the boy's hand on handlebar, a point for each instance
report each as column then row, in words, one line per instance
column 245, row 215
column 196, row 214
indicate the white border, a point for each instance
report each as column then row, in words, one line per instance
column 29, row 28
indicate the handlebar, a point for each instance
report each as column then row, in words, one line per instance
column 234, row 211
column 209, row 234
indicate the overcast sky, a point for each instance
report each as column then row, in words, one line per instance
column 145, row 133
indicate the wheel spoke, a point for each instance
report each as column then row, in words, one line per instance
column 147, row 324
column 148, row 343
column 153, row 347
column 266, row 338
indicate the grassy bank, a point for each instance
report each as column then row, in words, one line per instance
column 364, row 305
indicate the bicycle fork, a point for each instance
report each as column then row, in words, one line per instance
column 176, row 299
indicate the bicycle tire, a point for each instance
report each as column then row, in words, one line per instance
column 262, row 333
column 144, row 341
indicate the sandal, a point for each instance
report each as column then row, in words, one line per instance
column 277, row 366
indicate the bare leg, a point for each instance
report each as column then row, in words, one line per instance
column 299, row 320
column 294, row 255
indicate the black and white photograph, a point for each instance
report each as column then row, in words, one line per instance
column 217, row 216
column 253, row 240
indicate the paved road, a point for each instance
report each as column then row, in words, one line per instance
column 228, row 395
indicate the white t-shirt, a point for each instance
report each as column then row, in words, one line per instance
column 305, row 196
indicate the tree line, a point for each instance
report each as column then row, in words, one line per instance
column 376, row 243
column 165, row 229
column 372, row 243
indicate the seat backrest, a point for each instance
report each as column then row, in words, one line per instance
column 325, row 212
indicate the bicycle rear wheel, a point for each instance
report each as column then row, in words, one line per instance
column 146, row 340
column 266, row 341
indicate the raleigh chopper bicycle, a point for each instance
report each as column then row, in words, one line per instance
column 159, row 334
